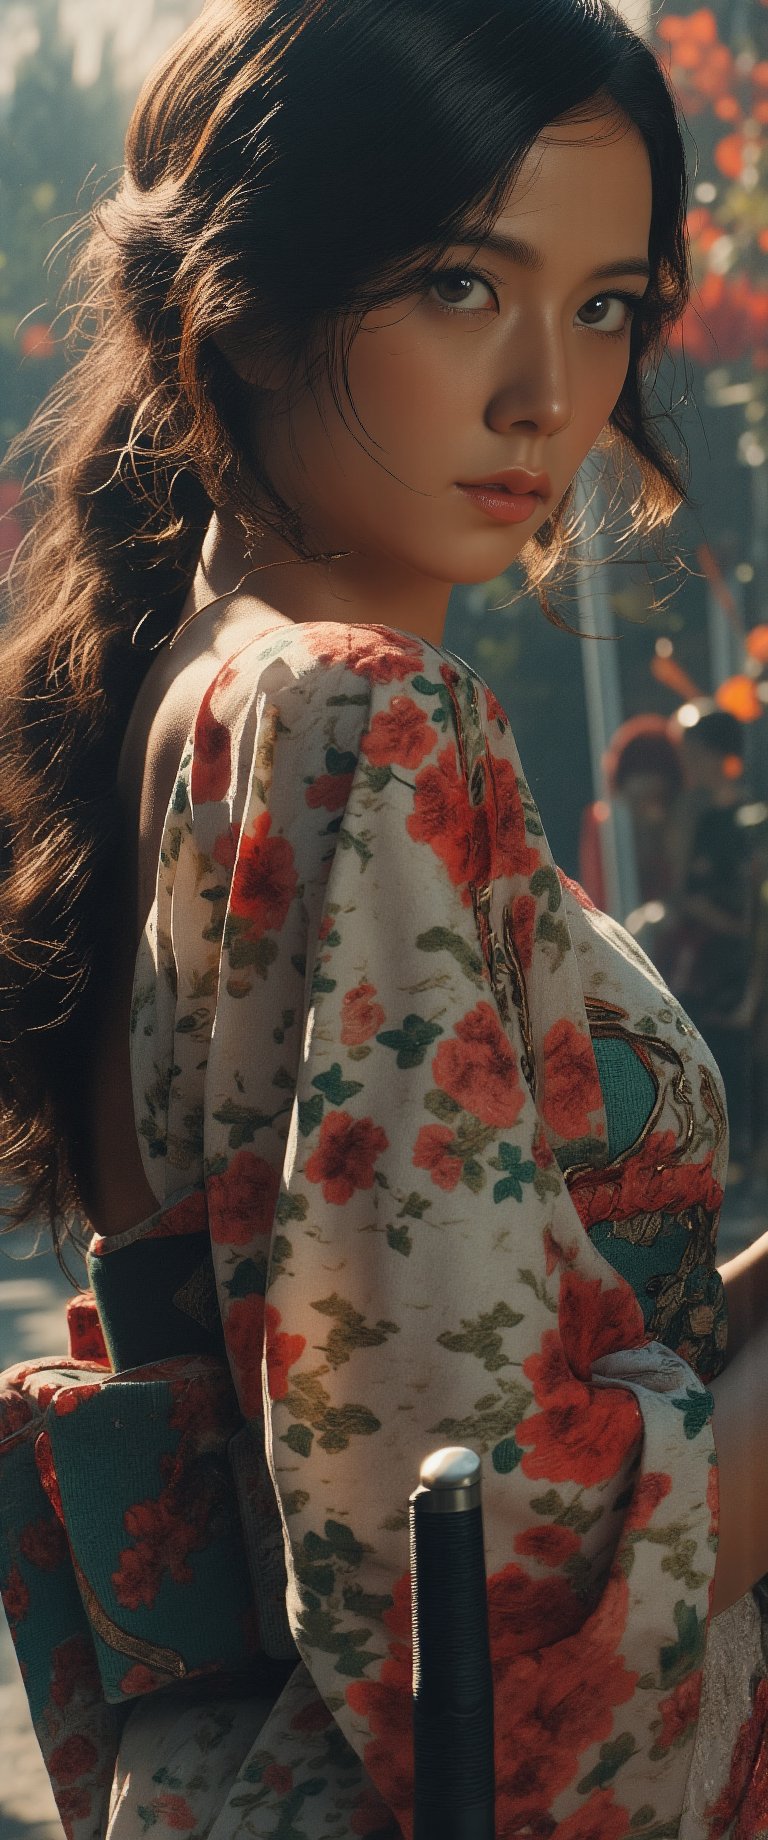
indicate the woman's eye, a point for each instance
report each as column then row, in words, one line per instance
column 611, row 313
column 462, row 283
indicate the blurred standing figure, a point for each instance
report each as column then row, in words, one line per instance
column 643, row 767
column 706, row 951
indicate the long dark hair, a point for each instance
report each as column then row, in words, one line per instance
column 289, row 166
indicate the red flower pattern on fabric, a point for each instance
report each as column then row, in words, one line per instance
column 278, row 1778
column 69, row 1399
column 386, row 1705
column 283, row 1351
column 552, row 1704
column 371, row 1818
column 162, row 1542
column 653, row 1179
column 140, row 1679
column 74, row 1670
column 510, row 854
column 570, row 1092
column 550, row 1545
column 435, row 1150
column 86, row 1336
column 175, row 1811
column 579, row 893
column 475, row 842
column 315, row 1716
column 494, row 710
column 211, row 754
column 15, row 1597
column 264, row 881
column 345, row 1156
column 584, row 1434
column 553, row 1701
column 44, row 1544
column 522, row 916
column 597, row 1319
column 15, row 1412
column 713, row 1499
column 400, row 736
column 74, row 1804
column 360, row 1016
column 244, row 1327
column 376, row 652
column 46, row 1470
column 479, row 1068
column 75, row 1757
column 242, row 1200
column 650, row 1492
column 443, row 817
column 224, row 850
column 679, row 1711
column 244, row 1334
column 329, row 790
column 166, row 1529
column 525, row 1613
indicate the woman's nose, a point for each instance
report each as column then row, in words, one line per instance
column 535, row 388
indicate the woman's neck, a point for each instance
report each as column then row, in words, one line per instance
column 267, row 578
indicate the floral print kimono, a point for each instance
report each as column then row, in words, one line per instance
column 459, row 1156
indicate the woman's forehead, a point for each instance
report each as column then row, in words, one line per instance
column 572, row 175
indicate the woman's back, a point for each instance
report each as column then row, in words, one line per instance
column 115, row 1190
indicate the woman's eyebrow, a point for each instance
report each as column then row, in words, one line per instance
column 526, row 256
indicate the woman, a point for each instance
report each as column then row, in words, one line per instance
column 288, row 972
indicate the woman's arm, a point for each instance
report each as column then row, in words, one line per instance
column 740, row 1427
column 745, row 1278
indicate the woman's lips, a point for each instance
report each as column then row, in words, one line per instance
column 505, row 507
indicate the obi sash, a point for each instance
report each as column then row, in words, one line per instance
column 140, row 1541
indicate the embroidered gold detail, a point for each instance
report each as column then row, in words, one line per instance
column 520, row 999
column 162, row 1660
column 501, row 957
column 713, row 1105
column 197, row 1297
column 476, row 784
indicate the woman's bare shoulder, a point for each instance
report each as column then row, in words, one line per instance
column 161, row 719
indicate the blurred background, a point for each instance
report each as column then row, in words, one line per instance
column 662, row 812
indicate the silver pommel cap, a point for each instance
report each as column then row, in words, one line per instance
column 449, row 1481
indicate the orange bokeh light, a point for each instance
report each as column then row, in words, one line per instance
column 739, row 696
column 756, row 642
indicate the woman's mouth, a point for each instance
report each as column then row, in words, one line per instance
column 506, row 507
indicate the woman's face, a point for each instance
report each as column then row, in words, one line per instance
column 512, row 358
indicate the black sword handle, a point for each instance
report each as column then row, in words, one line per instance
column 452, row 1679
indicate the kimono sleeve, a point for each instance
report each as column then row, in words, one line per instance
column 427, row 1279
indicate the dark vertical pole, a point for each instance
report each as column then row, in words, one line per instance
column 452, row 1680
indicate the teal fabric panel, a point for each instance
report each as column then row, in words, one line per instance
column 628, row 1091
column 36, row 1577
column 157, row 1298
column 151, row 1512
